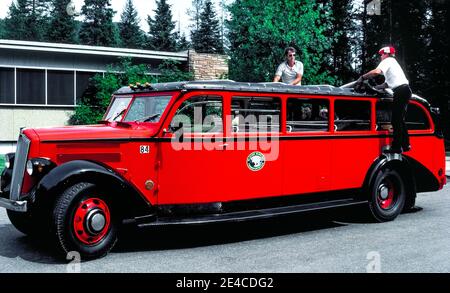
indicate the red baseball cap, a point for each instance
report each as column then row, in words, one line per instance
column 387, row 50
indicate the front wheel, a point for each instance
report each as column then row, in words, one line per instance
column 85, row 221
column 387, row 195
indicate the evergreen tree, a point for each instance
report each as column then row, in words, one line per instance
column 98, row 28
column 400, row 25
column 207, row 38
column 130, row 32
column 435, row 84
column 2, row 28
column 260, row 30
column 418, row 30
column 27, row 20
column 340, row 56
column 161, row 36
column 63, row 26
column 16, row 21
column 194, row 12
column 182, row 43
column 375, row 34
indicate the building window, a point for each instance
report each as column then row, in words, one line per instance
column 6, row 85
column 60, row 88
column 83, row 83
column 306, row 115
column 350, row 115
column 31, row 86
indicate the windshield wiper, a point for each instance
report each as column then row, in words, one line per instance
column 148, row 118
column 118, row 115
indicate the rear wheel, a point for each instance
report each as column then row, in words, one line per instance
column 84, row 220
column 387, row 195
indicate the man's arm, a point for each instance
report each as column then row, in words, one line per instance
column 371, row 73
column 276, row 78
column 382, row 86
column 297, row 79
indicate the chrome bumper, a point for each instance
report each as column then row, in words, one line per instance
column 13, row 205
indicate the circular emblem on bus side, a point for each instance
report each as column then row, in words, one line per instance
column 256, row 161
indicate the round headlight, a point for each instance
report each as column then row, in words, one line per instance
column 30, row 167
column 9, row 160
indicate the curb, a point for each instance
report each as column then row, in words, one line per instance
column 447, row 166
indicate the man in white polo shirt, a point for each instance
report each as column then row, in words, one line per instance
column 397, row 81
column 290, row 71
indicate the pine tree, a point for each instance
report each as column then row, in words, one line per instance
column 182, row 43
column 16, row 22
column 194, row 12
column 161, row 36
column 62, row 24
column 259, row 31
column 418, row 30
column 339, row 59
column 130, row 32
column 98, row 28
column 2, row 28
column 27, row 20
column 400, row 25
column 207, row 38
column 435, row 84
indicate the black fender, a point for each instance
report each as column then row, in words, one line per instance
column 132, row 202
column 5, row 182
column 424, row 179
column 397, row 161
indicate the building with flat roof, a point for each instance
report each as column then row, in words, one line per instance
column 41, row 83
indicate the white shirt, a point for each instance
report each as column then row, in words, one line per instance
column 392, row 72
column 289, row 74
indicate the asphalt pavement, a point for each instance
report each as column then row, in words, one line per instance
column 340, row 240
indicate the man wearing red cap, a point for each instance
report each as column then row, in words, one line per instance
column 397, row 81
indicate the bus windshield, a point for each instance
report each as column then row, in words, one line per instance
column 147, row 109
column 142, row 109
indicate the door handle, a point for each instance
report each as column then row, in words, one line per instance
column 223, row 146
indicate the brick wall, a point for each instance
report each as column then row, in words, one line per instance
column 208, row 66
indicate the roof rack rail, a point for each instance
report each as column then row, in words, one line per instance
column 214, row 80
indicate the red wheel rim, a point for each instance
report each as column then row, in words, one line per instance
column 386, row 194
column 91, row 221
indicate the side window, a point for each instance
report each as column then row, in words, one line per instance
column 255, row 114
column 307, row 115
column 351, row 115
column 200, row 114
column 384, row 115
column 416, row 118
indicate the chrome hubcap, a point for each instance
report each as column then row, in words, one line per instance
column 95, row 221
column 384, row 192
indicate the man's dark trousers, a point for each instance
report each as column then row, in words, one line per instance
column 402, row 94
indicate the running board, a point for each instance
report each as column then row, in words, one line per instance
column 251, row 214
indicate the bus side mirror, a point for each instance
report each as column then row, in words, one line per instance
column 176, row 128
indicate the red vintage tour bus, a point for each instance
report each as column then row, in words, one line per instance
column 216, row 151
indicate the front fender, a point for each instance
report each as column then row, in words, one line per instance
column 65, row 175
